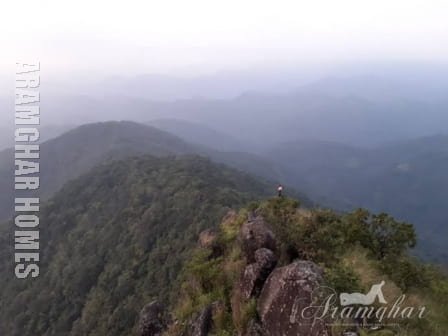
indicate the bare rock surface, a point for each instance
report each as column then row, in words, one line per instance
column 153, row 320
column 254, row 235
column 254, row 328
column 207, row 238
column 255, row 274
column 287, row 291
column 203, row 322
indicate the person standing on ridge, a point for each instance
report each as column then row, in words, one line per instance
column 280, row 190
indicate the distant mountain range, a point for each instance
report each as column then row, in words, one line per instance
column 263, row 119
column 200, row 134
column 126, row 202
column 354, row 109
column 406, row 179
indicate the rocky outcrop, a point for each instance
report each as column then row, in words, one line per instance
column 255, row 274
column 254, row 329
column 230, row 217
column 203, row 322
column 255, row 235
column 153, row 320
column 207, row 238
column 279, row 294
column 287, row 291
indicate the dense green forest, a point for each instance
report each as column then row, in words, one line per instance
column 76, row 152
column 115, row 239
column 79, row 150
column 126, row 233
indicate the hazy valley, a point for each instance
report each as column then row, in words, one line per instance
column 130, row 189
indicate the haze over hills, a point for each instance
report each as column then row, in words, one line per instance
column 374, row 81
column 427, row 84
column 265, row 119
column 356, row 106
column 196, row 133
column 79, row 150
column 405, row 179
column 119, row 232
column 46, row 133
column 334, row 138
column 233, row 168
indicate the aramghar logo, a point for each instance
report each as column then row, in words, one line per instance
column 361, row 310
column 357, row 298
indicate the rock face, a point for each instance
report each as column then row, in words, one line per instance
column 287, row 291
column 254, row 329
column 255, row 235
column 203, row 323
column 207, row 238
column 153, row 320
column 255, row 274
column 229, row 217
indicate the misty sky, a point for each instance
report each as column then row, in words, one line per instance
column 132, row 37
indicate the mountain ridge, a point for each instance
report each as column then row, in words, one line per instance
column 126, row 227
column 81, row 149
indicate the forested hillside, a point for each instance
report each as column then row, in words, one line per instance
column 404, row 179
column 115, row 239
column 76, row 152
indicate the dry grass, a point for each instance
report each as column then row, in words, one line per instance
column 369, row 273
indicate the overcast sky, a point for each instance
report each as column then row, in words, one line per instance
column 192, row 36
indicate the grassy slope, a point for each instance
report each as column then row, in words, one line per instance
column 349, row 249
